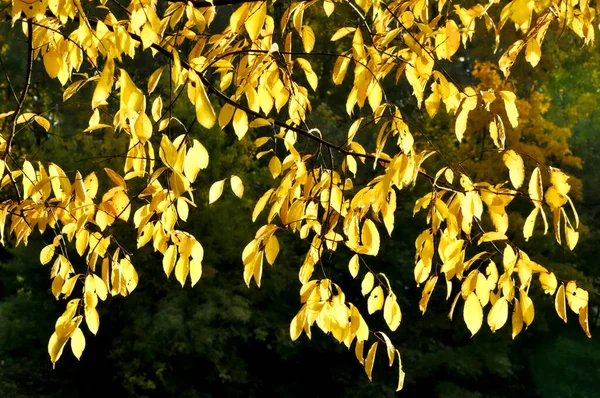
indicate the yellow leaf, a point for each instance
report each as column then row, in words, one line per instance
column 367, row 283
column 195, row 271
column 426, row 294
column 526, row 308
column 515, row 166
column 572, row 237
column 358, row 351
column 533, row 52
column 297, row 325
column 370, row 238
column 401, row 374
column 498, row 315
column 375, row 301
column 240, row 123
column 473, row 313
column 47, row 254
column 311, row 76
column 560, row 303
column 272, row 249
column 577, row 298
column 261, row 203
column 157, row 106
column 517, row 319
column 275, row 166
column 204, row 111
column 115, row 177
column 132, row 98
column 182, row 269
column 225, row 115
column 237, row 186
column 548, row 281
column 143, row 127
column 342, row 32
column 583, row 321
column 391, row 312
column 81, row 242
column 535, row 187
column 370, row 360
column 256, row 20
column 92, row 320
column 491, row 236
column 100, row 288
column 153, row 79
column 77, row 343
column 511, row 109
column 354, row 265
column 55, row 346
column 104, row 85
column 215, row 192
column 169, row 259
column 530, row 223
column 308, row 38
column 340, row 68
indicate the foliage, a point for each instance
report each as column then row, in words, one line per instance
column 240, row 72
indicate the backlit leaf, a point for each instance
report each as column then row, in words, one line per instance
column 473, row 313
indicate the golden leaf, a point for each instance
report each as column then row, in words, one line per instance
column 426, row 294
column 354, row 265
column 77, row 343
column 560, row 303
column 371, row 360
column 515, row 166
column 473, row 313
column 517, row 319
column 375, row 301
column 526, row 308
column 237, row 186
column 215, row 191
column 498, row 315
column 367, row 284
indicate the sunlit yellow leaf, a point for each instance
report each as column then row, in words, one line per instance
column 577, row 298
column 342, row 32
column 256, row 20
column 272, row 249
column 215, row 192
column 240, row 123
column 426, row 294
column 370, row 360
column 571, row 236
column 530, row 223
column 308, row 38
column 498, row 314
column 515, row 166
column 560, row 303
column 517, row 319
column 367, row 283
column 533, row 52
column 237, row 186
column 204, row 111
column 47, row 254
column 375, row 301
column 77, row 343
column 583, row 321
column 511, row 109
column 182, row 269
column 370, row 237
column 391, row 312
column 526, row 308
column 354, row 265
column 473, row 313
column 548, row 282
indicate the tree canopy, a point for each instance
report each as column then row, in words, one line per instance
column 254, row 72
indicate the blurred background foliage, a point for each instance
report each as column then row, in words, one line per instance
column 223, row 339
